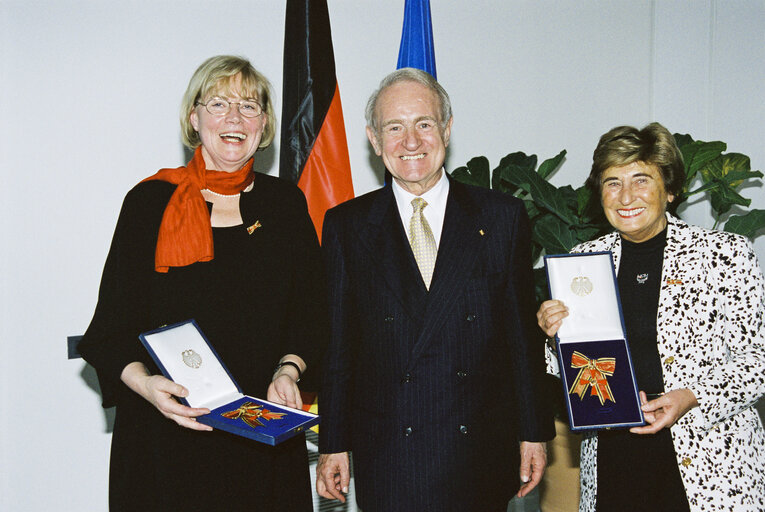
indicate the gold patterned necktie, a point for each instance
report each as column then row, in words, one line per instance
column 422, row 241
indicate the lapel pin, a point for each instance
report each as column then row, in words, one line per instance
column 251, row 229
column 481, row 232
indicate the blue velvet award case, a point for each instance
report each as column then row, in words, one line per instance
column 184, row 355
column 593, row 354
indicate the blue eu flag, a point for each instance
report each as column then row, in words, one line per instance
column 416, row 50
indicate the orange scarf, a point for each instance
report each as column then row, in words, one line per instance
column 185, row 235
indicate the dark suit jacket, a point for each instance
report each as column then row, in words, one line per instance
column 432, row 391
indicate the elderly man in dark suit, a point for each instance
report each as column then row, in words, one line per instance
column 432, row 377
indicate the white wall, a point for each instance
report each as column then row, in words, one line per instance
column 89, row 94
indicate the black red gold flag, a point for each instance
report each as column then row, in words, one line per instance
column 314, row 149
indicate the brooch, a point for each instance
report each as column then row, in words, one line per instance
column 251, row 229
column 191, row 359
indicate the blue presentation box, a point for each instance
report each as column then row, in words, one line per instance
column 184, row 355
column 593, row 354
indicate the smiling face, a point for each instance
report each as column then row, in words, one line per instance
column 228, row 141
column 634, row 200
column 411, row 142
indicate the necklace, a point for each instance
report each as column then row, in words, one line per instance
column 224, row 196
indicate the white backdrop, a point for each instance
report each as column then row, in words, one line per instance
column 89, row 96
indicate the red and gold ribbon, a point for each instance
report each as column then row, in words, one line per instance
column 593, row 372
column 251, row 413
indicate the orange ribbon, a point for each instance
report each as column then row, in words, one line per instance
column 593, row 373
column 251, row 413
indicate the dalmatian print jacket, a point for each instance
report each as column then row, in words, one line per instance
column 711, row 338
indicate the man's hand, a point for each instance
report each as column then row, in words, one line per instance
column 333, row 475
column 533, row 463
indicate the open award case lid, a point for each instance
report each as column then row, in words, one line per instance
column 593, row 354
column 184, row 355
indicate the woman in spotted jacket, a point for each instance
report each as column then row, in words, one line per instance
column 694, row 306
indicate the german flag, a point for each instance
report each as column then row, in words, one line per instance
column 314, row 150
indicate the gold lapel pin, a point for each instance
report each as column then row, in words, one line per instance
column 251, row 229
column 481, row 232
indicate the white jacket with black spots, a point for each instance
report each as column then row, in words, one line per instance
column 711, row 340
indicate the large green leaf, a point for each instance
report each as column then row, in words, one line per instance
column 682, row 139
column 703, row 188
column 748, row 225
column 735, row 178
column 586, row 233
column 544, row 194
column 554, row 234
column 569, row 194
column 583, row 197
column 512, row 164
column 732, row 168
column 475, row 173
column 723, row 197
column 557, row 201
column 550, row 165
column 697, row 154
column 497, row 183
column 531, row 208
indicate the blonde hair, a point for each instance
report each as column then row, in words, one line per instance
column 216, row 75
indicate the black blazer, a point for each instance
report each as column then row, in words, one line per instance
column 432, row 391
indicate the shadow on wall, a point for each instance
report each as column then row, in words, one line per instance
column 88, row 374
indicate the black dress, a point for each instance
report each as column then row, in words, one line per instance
column 261, row 297
column 639, row 472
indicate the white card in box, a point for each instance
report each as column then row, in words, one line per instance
column 593, row 354
column 184, row 355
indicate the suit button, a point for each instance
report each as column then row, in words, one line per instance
column 388, row 318
column 408, row 431
column 463, row 429
column 461, row 374
column 470, row 317
column 686, row 462
column 407, row 378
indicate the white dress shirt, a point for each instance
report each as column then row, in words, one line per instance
column 434, row 212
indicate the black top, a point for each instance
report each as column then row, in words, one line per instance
column 639, row 471
column 639, row 282
column 261, row 297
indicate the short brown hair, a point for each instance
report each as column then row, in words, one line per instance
column 215, row 76
column 653, row 145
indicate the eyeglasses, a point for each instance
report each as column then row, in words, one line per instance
column 221, row 107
